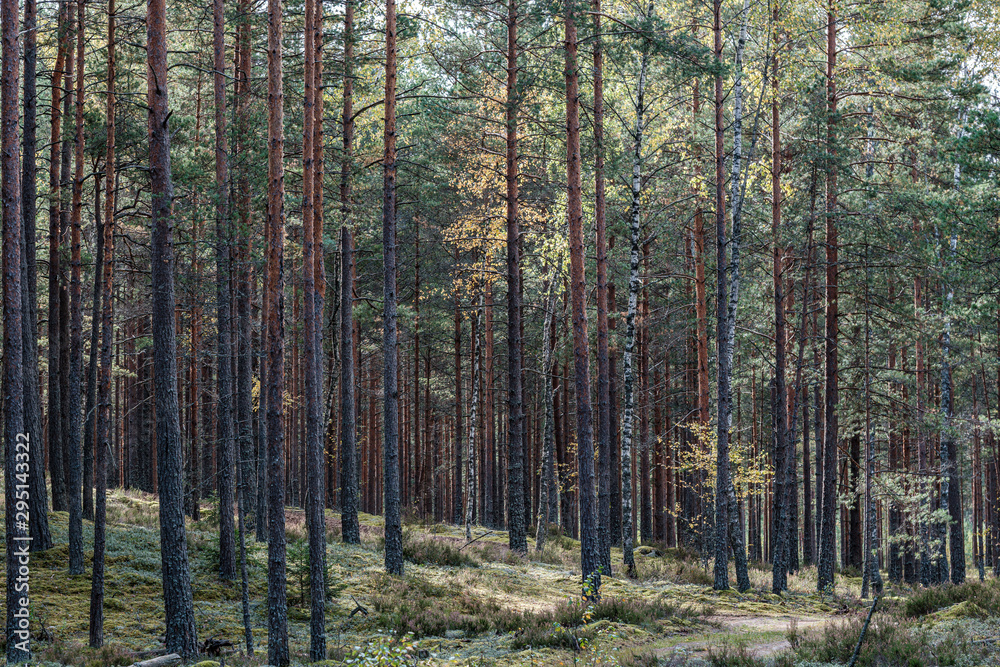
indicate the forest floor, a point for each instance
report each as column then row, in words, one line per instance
column 479, row 604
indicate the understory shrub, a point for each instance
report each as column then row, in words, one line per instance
column 984, row 597
column 889, row 642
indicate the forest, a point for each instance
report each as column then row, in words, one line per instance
column 488, row 332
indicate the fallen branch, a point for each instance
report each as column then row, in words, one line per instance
column 357, row 608
column 489, row 532
column 864, row 629
column 163, row 661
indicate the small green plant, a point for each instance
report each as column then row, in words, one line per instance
column 385, row 652
column 298, row 574
column 430, row 551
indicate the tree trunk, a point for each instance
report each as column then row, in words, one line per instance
column 90, row 409
column 181, row 635
column 589, row 555
column 456, row 501
column 628, row 413
column 472, row 478
column 18, row 442
column 830, row 500
column 390, row 425
column 546, row 483
column 782, row 455
column 74, row 472
column 104, row 424
column 516, row 477
column 277, row 601
column 223, row 245
column 41, row 538
column 315, row 495
column 55, row 204
column 727, row 520
column 348, row 408
column 603, row 369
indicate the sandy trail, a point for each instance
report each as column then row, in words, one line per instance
column 733, row 630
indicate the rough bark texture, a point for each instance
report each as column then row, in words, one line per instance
column 628, row 382
column 74, row 471
column 17, row 446
column 104, row 423
column 181, row 636
column 728, row 531
column 390, row 423
column 546, row 483
column 90, row 408
column 225, row 443
column 55, row 205
column 315, row 468
column 589, row 557
column 516, row 477
column 603, row 370
column 828, row 530
column 472, row 477
column 348, row 407
column 782, row 456
column 277, row 600
column 41, row 538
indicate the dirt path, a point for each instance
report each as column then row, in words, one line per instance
column 761, row 635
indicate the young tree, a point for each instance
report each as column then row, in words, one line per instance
column 181, row 636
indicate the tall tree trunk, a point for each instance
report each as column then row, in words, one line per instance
column 457, row 488
column 546, row 484
column 277, row 599
column 74, row 476
column 315, row 495
column 472, row 477
column 390, row 425
column 603, row 370
column 589, row 554
column 245, row 418
column 104, row 424
column 628, row 413
column 18, row 442
column 55, row 204
column 782, row 455
column 41, row 538
column 516, row 477
column 181, row 636
column 223, row 254
column 348, row 408
column 830, row 436
column 90, row 409
column 727, row 520
column 871, row 573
